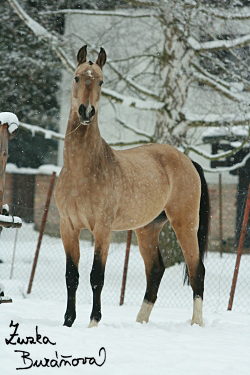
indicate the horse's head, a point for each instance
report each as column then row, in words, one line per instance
column 87, row 83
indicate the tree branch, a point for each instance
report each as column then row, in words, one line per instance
column 210, row 120
column 213, row 157
column 217, row 45
column 225, row 14
column 136, row 131
column 236, row 97
column 228, row 169
column 130, row 101
column 96, row 13
column 211, row 76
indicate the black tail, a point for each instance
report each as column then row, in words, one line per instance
column 204, row 216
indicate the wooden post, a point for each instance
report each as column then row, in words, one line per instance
column 125, row 270
column 4, row 145
column 11, row 221
column 240, row 246
column 44, row 219
column 220, row 214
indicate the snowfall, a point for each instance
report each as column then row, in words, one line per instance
column 168, row 344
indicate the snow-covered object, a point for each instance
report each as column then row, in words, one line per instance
column 6, row 207
column 10, row 119
column 46, row 169
column 10, row 219
column 1, row 288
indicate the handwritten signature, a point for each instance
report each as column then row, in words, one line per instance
column 58, row 360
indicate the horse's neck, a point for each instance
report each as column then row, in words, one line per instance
column 82, row 143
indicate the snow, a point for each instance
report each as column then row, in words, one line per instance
column 218, row 44
column 105, row 13
column 10, row 219
column 10, row 119
column 48, row 134
column 167, row 344
column 223, row 131
column 129, row 101
column 228, row 169
column 47, row 169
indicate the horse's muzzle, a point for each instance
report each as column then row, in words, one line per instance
column 86, row 113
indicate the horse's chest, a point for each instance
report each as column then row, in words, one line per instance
column 84, row 197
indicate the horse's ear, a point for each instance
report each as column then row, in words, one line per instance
column 82, row 54
column 101, row 59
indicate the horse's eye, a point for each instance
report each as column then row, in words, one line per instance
column 77, row 79
column 100, row 83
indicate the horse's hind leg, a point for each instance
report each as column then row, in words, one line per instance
column 148, row 240
column 70, row 238
column 185, row 225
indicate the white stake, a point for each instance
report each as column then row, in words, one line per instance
column 14, row 254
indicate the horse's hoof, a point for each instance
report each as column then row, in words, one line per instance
column 141, row 320
column 145, row 311
column 197, row 321
column 69, row 320
column 93, row 323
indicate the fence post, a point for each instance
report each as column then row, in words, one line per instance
column 240, row 246
column 44, row 219
column 125, row 270
column 220, row 214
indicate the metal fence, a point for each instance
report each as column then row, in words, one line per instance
column 18, row 246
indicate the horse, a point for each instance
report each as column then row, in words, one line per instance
column 138, row 189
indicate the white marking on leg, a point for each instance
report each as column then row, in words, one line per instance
column 93, row 323
column 197, row 311
column 145, row 311
column 89, row 73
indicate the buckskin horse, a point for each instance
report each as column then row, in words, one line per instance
column 103, row 189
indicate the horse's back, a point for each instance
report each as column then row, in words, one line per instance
column 161, row 158
column 154, row 178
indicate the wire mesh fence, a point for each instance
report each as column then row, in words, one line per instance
column 18, row 246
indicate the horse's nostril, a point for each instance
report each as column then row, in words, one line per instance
column 86, row 112
column 81, row 110
column 92, row 111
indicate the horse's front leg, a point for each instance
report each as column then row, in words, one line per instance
column 70, row 238
column 102, row 243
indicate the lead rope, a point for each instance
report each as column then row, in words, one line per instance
column 73, row 130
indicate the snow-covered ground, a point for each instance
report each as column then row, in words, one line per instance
column 168, row 344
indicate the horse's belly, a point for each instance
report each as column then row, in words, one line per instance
column 132, row 215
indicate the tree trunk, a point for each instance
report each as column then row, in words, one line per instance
column 177, row 76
